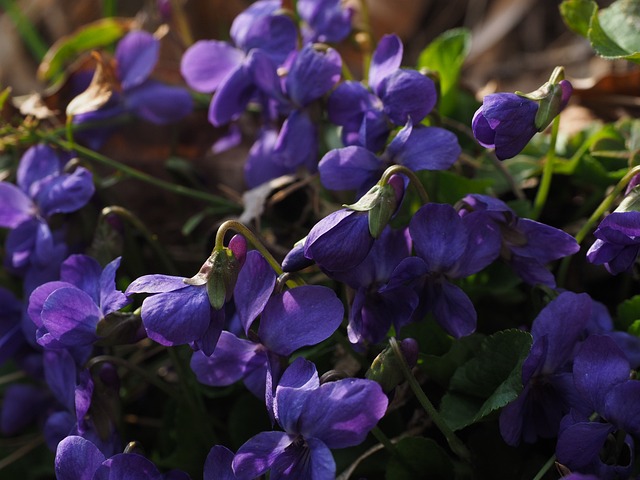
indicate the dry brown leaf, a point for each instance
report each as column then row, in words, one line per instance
column 99, row 91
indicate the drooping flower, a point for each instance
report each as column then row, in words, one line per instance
column 617, row 242
column 527, row 245
column 324, row 20
column 315, row 418
column 507, row 121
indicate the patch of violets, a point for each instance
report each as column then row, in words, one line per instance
column 577, row 382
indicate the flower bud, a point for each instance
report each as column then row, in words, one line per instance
column 386, row 370
column 222, row 279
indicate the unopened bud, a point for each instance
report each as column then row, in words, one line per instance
column 386, row 369
column 222, row 279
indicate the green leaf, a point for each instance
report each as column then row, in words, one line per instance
column 4, row 94
column 441, row 368
column 577, row 15
column 611, row 34
column 446, row 54
column 448, row 187
column 417, row 455
column 634, row 329
column 100, row 33
column 488, row 381
column 628, row 312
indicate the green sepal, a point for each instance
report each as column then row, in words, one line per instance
column 631, row 202
column 383, row 210
column 222, row 279
column 367, row 201
column 118, row 328
column 385, row 369
column 549, row 107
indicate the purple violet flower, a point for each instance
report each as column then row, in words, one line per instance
column 136, row 56
column 357, row 168
column 325, row 21
column 43, row 190
column 548, row 391
column 314, row 418
column 447, row 247
column 78, row 458
column 296, row 318
column 396, row 96
column 617, row 242
column 527, row 245
column 66, row 312
column 603, row 445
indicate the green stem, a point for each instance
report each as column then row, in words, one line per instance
column 152, row 379
column 109, row 8
column 133, row 173
column 253, row 239
column 545, row 468
column 454, row 442
column 547, row 172
column 415, row 181
column 27, row 31
column 383, row 439
column 151, row 238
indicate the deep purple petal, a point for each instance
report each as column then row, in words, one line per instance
column 66, row 193
column 407, row 94
column 232, row 359
column 386, row 59
column 348, row 102
column 580, row 444
column 483, row 132
column 111, row 299
column 621, row 409
column 36, row 164
column 442, row 147
column 299, row 317
column 246, row 21
column 342, row 413
column 263, row 164
column 60, row 375
column 38, row 297
column 543, row 242
column 276, row 35
column 253, row 288
column 127, row 465
column 326, row 21
column 177, row 317
column 598, row 367
column 232, row 96
column 483, row 248
column 209, row 339
column 21, row 243
column 71, row 316
column 264, row 73
column 15, row 206
column 349, row 168
column 297, row 142
column 561, row 322
column 207, row 63
column 136, row 55
column 218, row 464
column 83, row 272
column 439, row 236
column 159, row 103
column 298, row 381
column 21, row 404
column 339, row 241
column 258, row 453
column 77, row 459
column 313, row 74
column 453, row 309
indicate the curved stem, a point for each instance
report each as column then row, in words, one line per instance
column 257, row 244
column 132, row 172
column 545, row 468
column 383, row 439
column 454, row 442
column 415, row 181
column 547, row 172
column 151, row 238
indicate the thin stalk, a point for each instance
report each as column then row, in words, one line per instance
column 368, row 44
column 182, row 24
column 36, row 45
column 415, row 181
column 151, row 238
column 253, row 239
column 137, row 174
column 454, row 442
column 12, row 377
column 152, row 379
column 383, row 439
column 547, row 172
column 109, row 8
column 545, row 468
